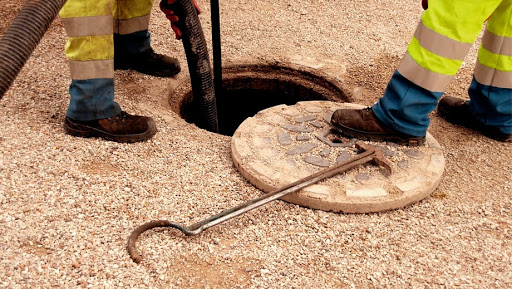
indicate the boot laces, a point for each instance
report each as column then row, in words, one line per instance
column 368, row 109
column 154, row 57
column 121, row 117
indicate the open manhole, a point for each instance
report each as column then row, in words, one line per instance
column 248, row 89
column 279, row 120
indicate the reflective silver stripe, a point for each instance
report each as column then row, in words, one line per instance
column 440, row 44
column 496, row 44
column 423, row 77
column 131, row 25
column 88, row 26
column 81, row 70
column 493, row 77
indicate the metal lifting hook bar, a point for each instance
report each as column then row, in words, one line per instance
column 369, row 153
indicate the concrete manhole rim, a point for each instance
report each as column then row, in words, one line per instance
column 409, row 192
column 330, row 87
column 295, row 71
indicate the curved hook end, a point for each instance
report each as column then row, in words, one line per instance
column 132, row 240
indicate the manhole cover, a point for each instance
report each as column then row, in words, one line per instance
column 282, row 144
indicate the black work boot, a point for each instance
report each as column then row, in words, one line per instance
column 123, row 128
column 149, row 63
column 363, row 124
column 456, row 110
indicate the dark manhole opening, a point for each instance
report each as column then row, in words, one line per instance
column 248, row 89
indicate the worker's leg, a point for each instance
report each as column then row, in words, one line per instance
column 90, row 50
column 132, row 41
column 445, row 34
column 131, row 21
column 491, row 89
column 443, row 37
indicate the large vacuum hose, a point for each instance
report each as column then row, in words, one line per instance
column 199, row 67
column 22, row 37
column 32, row 22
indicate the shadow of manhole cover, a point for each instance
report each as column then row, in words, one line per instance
column 282, row 144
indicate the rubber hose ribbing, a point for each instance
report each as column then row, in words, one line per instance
column 22, row 37
column 199, row 67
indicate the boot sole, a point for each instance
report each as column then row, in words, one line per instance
column 169, row 73
column 165, row 73
column 85, row 131
column 398, row 139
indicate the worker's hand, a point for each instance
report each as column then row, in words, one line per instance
column 168, row 7
column 424, row 4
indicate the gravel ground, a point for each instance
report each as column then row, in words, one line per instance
column 67, row 205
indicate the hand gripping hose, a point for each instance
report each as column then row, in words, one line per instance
column 22, row 37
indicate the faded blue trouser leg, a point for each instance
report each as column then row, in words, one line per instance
column 92, row 99
column 405, row 106
column 491, row 105
column 131, row 44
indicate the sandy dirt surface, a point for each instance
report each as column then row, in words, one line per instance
column 67, row 205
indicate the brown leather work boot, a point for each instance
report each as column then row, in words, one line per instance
column 363, row 124
column 456, row 110
column 149, row 63
column 124, row 128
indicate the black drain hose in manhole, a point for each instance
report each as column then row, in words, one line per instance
column 34, row 19
column 198, row 61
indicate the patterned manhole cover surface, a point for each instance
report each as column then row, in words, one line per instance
column 283, row 144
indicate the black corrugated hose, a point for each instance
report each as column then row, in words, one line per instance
column 22, row 37
column 34, row 19
column 199, row 67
